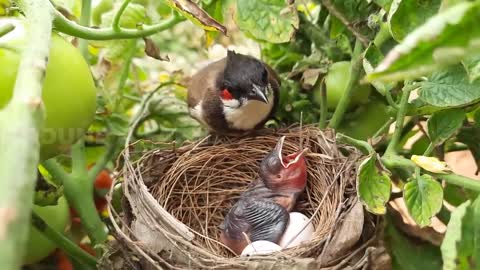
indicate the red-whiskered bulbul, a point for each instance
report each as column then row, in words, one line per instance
column 234, row 95
column 261, row 213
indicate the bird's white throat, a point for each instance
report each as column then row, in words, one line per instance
column 247, row 114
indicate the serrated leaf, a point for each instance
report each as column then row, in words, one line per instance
column 373, row 186
column 356, row 12
column 423, row 197
column 431, row 164
column 269, row 20
column 444, row 39
column 450, row 88
column 406, row 15
column 453, row 236
column 373, row 57
column 444, row 124
column 472, row 65
column 196, row 15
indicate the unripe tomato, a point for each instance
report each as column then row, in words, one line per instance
column 38, row 246
column 370, row 118
column 336, row 82
column 69, row 92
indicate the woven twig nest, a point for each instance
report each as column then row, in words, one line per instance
column 177, row 198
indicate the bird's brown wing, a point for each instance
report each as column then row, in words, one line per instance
column 204, row 81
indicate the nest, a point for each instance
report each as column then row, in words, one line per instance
column 177, row 197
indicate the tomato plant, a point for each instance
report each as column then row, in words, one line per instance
column 69, row 92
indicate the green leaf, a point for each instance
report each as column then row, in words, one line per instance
column 475, row 207
column 373, row 186
column 443, row 124
column 453, row 236
column 406, row 15
column 196, row 15
column 444, row 39
column 373, row 57
column 411, row 254
column 385, row 4
column 268, row 20
column 423, row 197
column 472, row 65
column 356, row 12
column 450, row 88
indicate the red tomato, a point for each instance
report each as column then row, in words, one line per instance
column 63, row 262
column 88, row 249
column 103, row 180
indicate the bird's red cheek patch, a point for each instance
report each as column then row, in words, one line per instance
column 225, row 94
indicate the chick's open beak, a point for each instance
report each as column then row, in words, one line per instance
column 287, row 160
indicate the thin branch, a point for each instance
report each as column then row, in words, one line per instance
column 363, row 146
column 66, row 26
column 333, row 10
column 118, row 16
column 85, row 21
column 6, row 28
column 323, row 104
column 107, row 156
column 402, row 110
column 355, row 69
column 55, row 170
column 63, row 242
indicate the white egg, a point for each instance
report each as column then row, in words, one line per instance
column 298, row 230
column 260, row 247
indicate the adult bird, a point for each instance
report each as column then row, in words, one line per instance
column 262, row 212
column 234, row 95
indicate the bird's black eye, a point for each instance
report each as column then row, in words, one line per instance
column 264, row 75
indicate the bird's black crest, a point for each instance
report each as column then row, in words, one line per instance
column 241, row 71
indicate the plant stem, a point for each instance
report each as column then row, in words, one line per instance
column 390, row 100
column 323, row 105
column 55, row 170
column 78, row 190
column 384, row 128
column 392, row 146
column 63, row 242
column 118, row 16
column 20, row 123
column 461, row 181
column 5, row 29
column 357, row 58
column 85, row 21
column 66, row 26
column 359, row 144
column 107, row 156
column 79, row 163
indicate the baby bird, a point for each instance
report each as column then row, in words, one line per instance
column 262, row 211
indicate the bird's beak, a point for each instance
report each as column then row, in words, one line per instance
column 260, row 93
column 287, row 160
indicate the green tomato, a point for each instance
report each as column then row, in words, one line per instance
column 69, row 92
column 336, row 82
column 38, row 246
column 370, row 118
